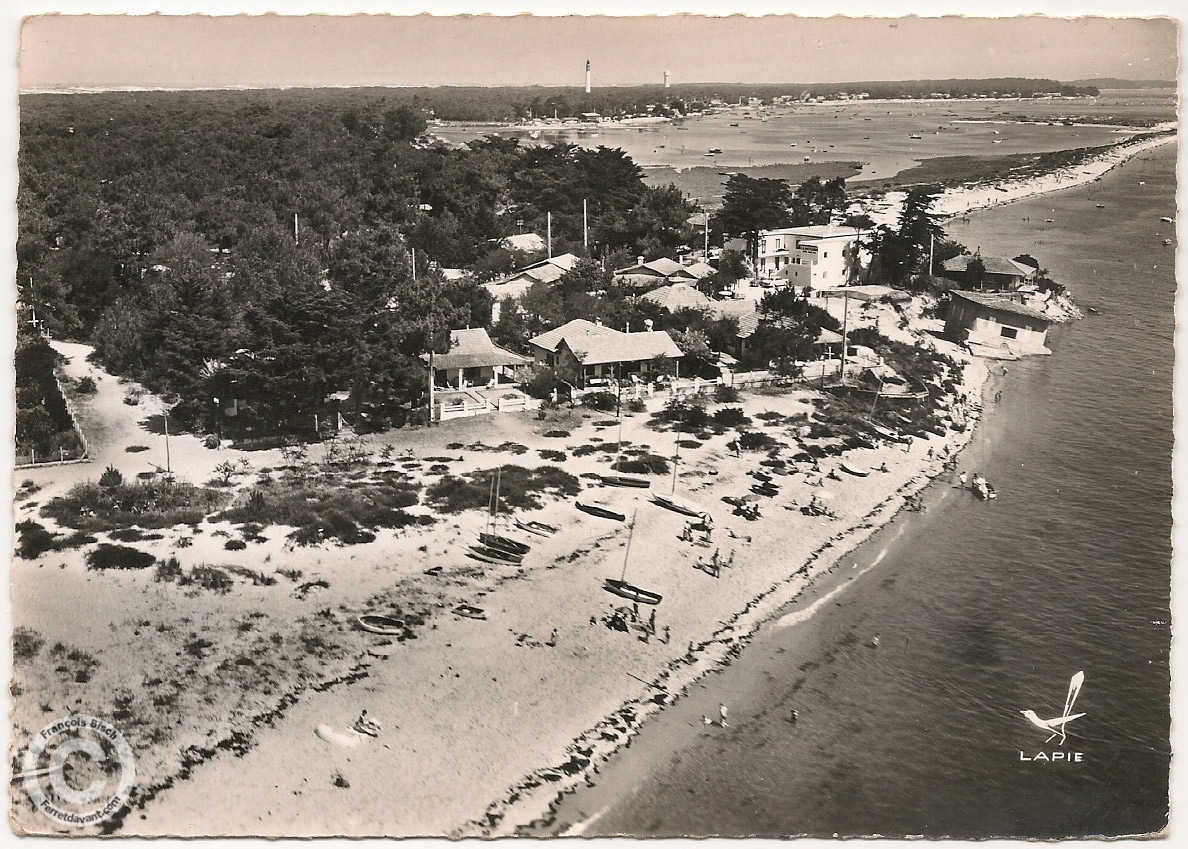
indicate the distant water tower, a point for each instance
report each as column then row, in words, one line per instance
column 587, row 76
column 666, row 79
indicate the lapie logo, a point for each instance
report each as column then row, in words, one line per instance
column 1057, row 727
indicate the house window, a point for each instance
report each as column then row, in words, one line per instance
column 825, row 255
column 1010, row 333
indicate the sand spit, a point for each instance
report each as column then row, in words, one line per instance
column 953, row 203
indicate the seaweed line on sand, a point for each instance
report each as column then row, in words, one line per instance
column 535, row 798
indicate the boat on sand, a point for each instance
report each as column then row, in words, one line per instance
column 539, row 528
column 624, row 480
column 502, row 543
column 854, row 469
column 377, row 623
column 631, row 592
column 603, row 511
column 491, row 555
column 679, row 504
column 470, row 612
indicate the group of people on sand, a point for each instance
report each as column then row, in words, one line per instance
column 623, row 618
column 714, row 566
column 704, row 525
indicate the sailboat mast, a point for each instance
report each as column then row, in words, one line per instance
column 630, row 536
column 495, row 514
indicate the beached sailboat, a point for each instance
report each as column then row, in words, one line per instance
column 491, row 555
column 621, row 588
column 622, row 480
column 492, row 540
column 679, row 504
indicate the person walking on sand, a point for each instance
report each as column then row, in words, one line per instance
column 652, row 621
column 963, row 478
column 552, row 640
column 722, row 716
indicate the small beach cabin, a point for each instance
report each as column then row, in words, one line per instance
column 593, row 353
column 998, row 273
column 474, row 360
column 996, row 326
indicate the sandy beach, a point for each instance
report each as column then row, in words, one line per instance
column 483, row 723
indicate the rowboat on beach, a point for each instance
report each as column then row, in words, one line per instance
column 680, row 505
column 539, row 528
column 857, row 471
column 377, row 623
column 624, row 480
column 603, row 511
column 885, row 432
column 470, row 612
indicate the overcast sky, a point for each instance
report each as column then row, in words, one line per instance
column 216, row 52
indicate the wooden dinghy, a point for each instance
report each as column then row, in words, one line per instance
column 538, row 528
column 624, row 480
column 601, row 510
column 377, row 623
column 853, row 469
column 502, row 543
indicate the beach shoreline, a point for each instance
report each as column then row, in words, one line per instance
column 622, row 706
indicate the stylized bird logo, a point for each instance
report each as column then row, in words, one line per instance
column 1057, row 726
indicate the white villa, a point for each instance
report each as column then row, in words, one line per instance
column 815, row 257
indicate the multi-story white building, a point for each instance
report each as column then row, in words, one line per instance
column 816, row 257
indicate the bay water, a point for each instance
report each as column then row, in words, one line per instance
column 980, row 609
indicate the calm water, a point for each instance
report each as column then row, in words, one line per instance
column 878, row 134
column 982, row 609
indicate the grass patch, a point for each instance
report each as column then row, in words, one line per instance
column 327, row 510
column 756, row 441
column 136, row 449
column 519, row 488
column 106, row 556
column 555, row 434
column 133, row 535
column 235, row 545
column 731, row 417
column 550, row 454
column 645, row 464
column 148, row 504
column 26, row 643
column 584, row 450
column 208, row 578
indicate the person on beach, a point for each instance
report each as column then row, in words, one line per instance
column 963, row 478
column 652, row 621
column 722, row 716
column 552, row 641
column 667, row 634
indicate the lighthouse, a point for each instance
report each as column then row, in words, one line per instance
column 587, row 76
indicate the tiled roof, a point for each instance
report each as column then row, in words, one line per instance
column 998, row 302
column 994, row 265
column 619, row 347
column 473, row 348
column 699, row 269
column 748, row 323
column 676, row 297
column 662, row 267
column 577, row 329
column 524, row 242
column 816, row 231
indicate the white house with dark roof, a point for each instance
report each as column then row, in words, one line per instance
column 996, row 325
column 474, row 360
column 592, row 352
column 813, row 257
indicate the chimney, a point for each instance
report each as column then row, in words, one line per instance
column 648, row 324
column 639, row 260
column 666, row 79
column 587, row 76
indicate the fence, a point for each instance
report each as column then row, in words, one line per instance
column 82, row 455
column 477, row 405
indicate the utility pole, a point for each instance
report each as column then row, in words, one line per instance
column 296, row 233
column 585, row 227
column 168, row 467
column 549, row 231
column 931, row 238
column 414, row 265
